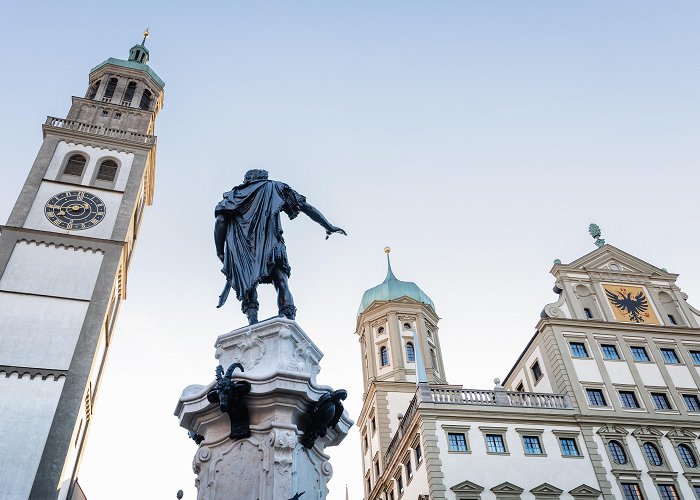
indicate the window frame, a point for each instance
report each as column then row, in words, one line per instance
column 562, row 435
column 685, row 395
column 648, row 359
column 694, row 356
column 410, row 354
column 574, row 345
column 616, row 449
column 635, row 396
column 499, row 432
column 673, row 486
column 104, row 184
column 539, row 369
column 692, row 452
column 665, row 394
column 639, row 493
column 384, row 356
column 603, row 347
column 601, row 390
column 658, row 452
column 70, row 178
column 457, row 429
column 670, row 350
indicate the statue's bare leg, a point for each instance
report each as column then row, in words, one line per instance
column 250, row 305
column 285, row 302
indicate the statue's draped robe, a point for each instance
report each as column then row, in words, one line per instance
column 254, row 243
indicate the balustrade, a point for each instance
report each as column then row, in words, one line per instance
column 124, row 135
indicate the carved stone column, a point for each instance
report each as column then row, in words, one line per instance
column 281, row 363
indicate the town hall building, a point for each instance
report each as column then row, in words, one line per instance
column 603, row 402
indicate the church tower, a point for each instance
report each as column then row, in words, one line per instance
column 64, row 260
column 400, row 347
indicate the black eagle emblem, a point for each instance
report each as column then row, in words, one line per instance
column 635, row 307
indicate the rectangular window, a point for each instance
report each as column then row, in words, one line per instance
column 569, row 447
column 609, row 351
column 520, row 388
column 639, row 353
column 457, row 441
column 391, row 495
column 578, row 350
column 495, row 443
column 369, row 486
column 668, row 492
column 629, row 399
column 376, row 468
column 670, row 356
column 588, row 313
column 536, row 371
column 631, row 491
column 419, row 455
column 691, row 402
column 695, row 355
column 696, row 489
column 596, row 397
column 672, row 319
column 660, row 401
column 409, row 469
column 399, row 483
column 373, row 425
column 532, row 445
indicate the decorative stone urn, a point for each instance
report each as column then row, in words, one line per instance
column 281, row 363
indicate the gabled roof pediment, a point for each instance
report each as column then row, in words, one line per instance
column 584, row 491
column 467, row 487
column 546, row 489
column 507, row 488
column 611, row 259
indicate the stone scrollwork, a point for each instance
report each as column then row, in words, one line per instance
column 283, row 442
column 298, row 361
column 249, row 350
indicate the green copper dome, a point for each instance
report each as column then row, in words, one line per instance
column 391, row 289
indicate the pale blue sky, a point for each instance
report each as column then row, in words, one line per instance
column 478, row 139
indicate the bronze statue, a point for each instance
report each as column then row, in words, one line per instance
column 249, row 243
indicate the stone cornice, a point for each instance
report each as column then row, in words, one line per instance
column 49, row 237
column 32, row 373
column 620, row 327
column 98, row 140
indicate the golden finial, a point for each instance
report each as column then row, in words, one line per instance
column 146, row 33
column 387, row 250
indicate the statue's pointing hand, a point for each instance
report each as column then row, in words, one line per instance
column 334, row 229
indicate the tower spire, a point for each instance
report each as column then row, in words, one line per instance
column 389, row 273
column 146, row 33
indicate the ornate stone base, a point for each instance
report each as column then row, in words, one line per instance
column 281, row 363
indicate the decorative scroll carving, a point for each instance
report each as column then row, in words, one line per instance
column 248, row 351
column 283, row 442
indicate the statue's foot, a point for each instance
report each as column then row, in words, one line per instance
column 288, row 312
column 252, row 317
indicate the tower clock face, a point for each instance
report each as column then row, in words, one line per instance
column 75, row 210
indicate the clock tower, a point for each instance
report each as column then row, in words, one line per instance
column 64, row 259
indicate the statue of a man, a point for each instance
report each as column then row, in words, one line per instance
column 248, row 237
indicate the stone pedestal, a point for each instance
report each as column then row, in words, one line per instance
column 281, row 363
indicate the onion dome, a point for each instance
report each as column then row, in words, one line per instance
column 391, row 289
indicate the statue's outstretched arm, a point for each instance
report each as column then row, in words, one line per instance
column 318, row 217
column 220, row 236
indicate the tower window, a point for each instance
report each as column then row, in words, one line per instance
column 687, row 456
column 628, row 399
column 111, row 87
column 409, row 468
column 129, row 94
column 407, row 326
column 433, row 359
column 145, row 99
column 639, row 353
column 596, row 397
column 691, row 402
column 75, row 165
column 107, row 171
column 93, row 90
column 380, row 330
column 668, row 492
column 609, row 351
column 672, row 319
column 652, row 454
column 410, row 353
column 578, row 350
column 588, row 313
column 617, row 452
column 384, row 355
column 536, row 371
column 660, row 401
column 105, row 112
column 419, row 455
column 520, row 388
column 456, row 441
column 670, row 356
column 117, row 116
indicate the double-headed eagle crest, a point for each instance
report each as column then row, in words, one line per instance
column 634, row 307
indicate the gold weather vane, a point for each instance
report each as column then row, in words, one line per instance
column 146, row 33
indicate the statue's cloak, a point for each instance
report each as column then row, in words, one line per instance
column 254, row 243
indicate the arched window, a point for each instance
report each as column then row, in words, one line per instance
column 93, row 90
column 407, row 326
column 673, row 314
column 384, row 355
column 107, row 171
column 111, row 86
column 410, row 353
column 129, row 94
column 433, row 359
column 145, row 99
column 617, row 452
column 75, row 165
column 687, row 456
column 653, row 455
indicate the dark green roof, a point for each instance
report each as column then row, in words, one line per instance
column 131, row 65
column 391, row 289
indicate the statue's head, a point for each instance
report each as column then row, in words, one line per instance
column 255, row 175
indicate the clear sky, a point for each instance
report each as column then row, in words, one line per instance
column 477, row 138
